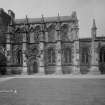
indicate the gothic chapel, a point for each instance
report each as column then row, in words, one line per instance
column 48, row 45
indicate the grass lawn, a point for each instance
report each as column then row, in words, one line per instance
column 39, row 91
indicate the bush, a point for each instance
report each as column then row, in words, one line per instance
column 3, row 70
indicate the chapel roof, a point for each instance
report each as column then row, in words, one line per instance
column 73, row 17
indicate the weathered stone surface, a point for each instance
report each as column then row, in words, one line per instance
column 50, row 45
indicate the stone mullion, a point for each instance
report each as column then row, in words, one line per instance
column 94, row 63
column 76, row 58
column 76, row 69
column 41, row 52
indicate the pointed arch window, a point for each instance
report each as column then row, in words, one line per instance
column 64, row 31
column 37, row 33
column 67, row 55
column 85, row 56
column 51, row 33
column 51, row 55
column 19, row 57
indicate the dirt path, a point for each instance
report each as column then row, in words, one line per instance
column 2, row 79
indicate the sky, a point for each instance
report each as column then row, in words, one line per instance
column 87, row 10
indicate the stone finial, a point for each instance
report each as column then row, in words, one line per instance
column 93, row 30
column 27, row 19
column 12, row 15
column 42, row 19
column 58, row 18
column 43, row 26
column 74, row 15
column 58, row 26
column 94, row 25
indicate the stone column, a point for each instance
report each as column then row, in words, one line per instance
column 32, row 40
column 8, row 48
column 41, row 52
column 8, row 52
column 94, row 59
column 58, row 54
column 76, row 69
column 24, row 48
column 94, row 54
column 76, row 57
column 46, row 36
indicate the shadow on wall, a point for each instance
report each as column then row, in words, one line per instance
column 102, row 68
column 3, row 62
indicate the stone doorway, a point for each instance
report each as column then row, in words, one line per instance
column 33, row 67
column 102, row 60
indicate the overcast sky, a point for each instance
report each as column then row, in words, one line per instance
column 86, row 11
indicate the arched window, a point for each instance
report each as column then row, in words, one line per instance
column 19, row 57
column 51, row 56
column 37, row 33
column 64, row 31
column 85, row 56
column 67, row 55
column 51, row 33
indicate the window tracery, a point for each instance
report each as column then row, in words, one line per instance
column 67, row 55
column 85, row 56
column 37, row 33
column 17, row 54
column 19, row 57
column 64, row 32
column 51, row 33
column 51, row 55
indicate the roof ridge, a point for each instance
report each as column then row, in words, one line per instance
column 47, row 19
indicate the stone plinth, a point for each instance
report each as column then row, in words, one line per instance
column 94, row 70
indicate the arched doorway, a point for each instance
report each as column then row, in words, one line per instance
column 33, row 67
column 102, row 60
column 3, row 62
column 19, row 57
column 84, row 60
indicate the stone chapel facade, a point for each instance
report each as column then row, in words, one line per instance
column 49, row 45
